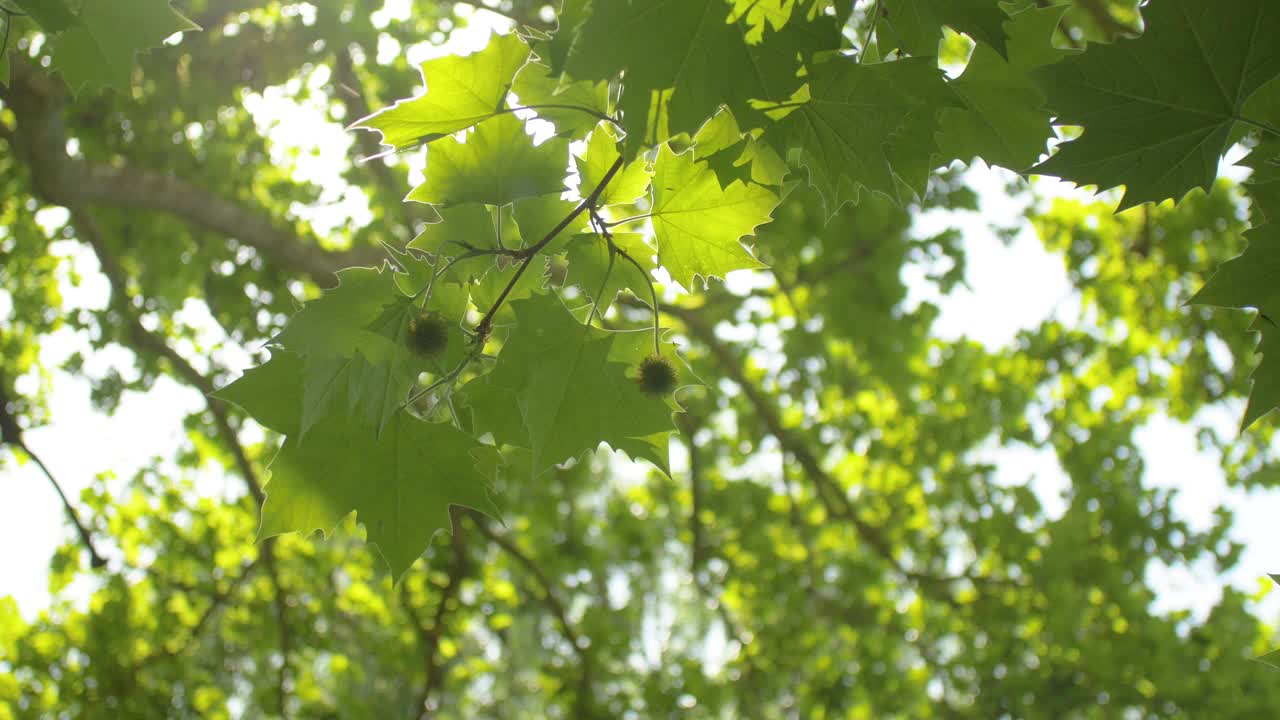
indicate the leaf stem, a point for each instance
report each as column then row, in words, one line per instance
column 624, row 221
column 613, row 256
column 653, row 292
column 529, row 253
column 871, row 31
column 1257, row 125
column 557, row 106
column 430, row 286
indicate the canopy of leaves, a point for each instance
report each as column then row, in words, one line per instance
column 821, row 523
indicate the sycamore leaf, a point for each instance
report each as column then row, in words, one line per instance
column 1251, row 280
column 372, row 382
column 916, row 25
column 496, row 164
column 1158, row 111
column 562, row 380
column 358, row 360
column 1264, row 180
column 400, row 484
column 589, row 267
column 472, row 224
column 697, row 224
column 335, row 323
column 538, row 216
column 461, row 91
column 569, row 16
column 627, row 186
column 97, row 50
column 671, row 48
column 761, row 14
column 573, row 107
column 1264, row 396
column 271, row 393
column 720, row 144
column 490, row 286
column 53, row 16
column 1004, row 121
column 734, row 155
column 850, row 128
column 682, row 57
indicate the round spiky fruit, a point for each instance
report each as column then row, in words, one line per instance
column 429, row 334
column 658, row 375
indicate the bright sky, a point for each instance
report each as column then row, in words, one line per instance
column 1014, row 287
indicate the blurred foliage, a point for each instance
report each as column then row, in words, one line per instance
column 836, row 543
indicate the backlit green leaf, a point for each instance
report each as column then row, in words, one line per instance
column 495, row 164
column 1158, row 111
column 461, row 91
column 697, row 224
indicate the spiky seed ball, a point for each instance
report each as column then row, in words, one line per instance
column 658, row 375
column 429, row 334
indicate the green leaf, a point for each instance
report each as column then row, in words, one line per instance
column 1158, row 111
column 538, row 216
column 336, row 322
column 569, row 16
column 697, row 224
column 559, row 377
column 98, row 49
column 681, row 56
column 588, row 259
column 627, row 186
column 1264, row 396
column 271, row 393
column 473, row 224
column 761, row 14
column 734, row 155
column 372, row 382
column 1264, row 180
column 1004, row 121
column 1251, row 280
column 916, row 25
column 461, row 91
column 354, row 342
column 496, row 164
column 854, row 123
column 486, row 292
column 400, row 484
column 574, row 107
column 53, row 16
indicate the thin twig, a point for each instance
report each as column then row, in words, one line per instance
column 486, row 323
column 11, row 434
column 429, row 636
column 550, row 598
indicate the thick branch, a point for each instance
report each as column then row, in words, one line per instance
column 145, row 340
column 41, row 141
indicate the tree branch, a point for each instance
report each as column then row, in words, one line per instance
column 11, row 434
column 829, row 492
column 429, row 637
column 41, row 142
column 143, row 339
column 551, row 599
